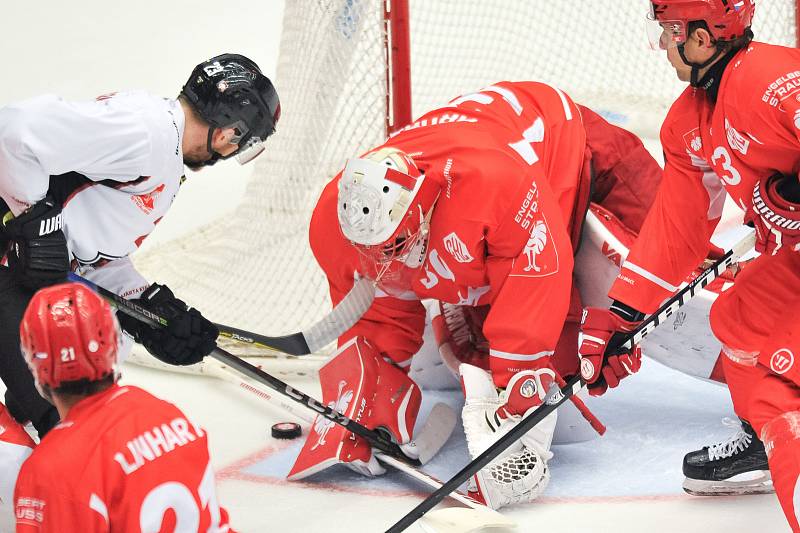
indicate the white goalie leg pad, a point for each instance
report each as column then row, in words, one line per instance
column 520, row 473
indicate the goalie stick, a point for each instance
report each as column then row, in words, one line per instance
column 375, row 439
column 555, row 397
column 312, row 339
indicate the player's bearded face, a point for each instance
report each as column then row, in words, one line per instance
column 195, row 156
column 198, row 155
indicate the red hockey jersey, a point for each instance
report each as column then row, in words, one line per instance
column 750, row 133
column 122, row 460
column 509, row 160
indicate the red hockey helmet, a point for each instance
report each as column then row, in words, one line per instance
column 68, row 333
column 384, row 208
column 726, row 19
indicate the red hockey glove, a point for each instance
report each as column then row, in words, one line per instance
column 599, row 328
column 775, row 213
column 458, row 330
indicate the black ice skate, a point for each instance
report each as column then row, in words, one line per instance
column 737, row 466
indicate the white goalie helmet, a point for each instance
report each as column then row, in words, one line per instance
column 384, row 207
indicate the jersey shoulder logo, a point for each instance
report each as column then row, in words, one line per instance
column 457, row 248
column 693, row 141
column 735, row 139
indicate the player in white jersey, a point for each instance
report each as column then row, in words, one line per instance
column 83, row 183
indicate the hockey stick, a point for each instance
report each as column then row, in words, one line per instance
column 555, row 397
column 375, row 439
column 312, row 339
column 447, row 520
column 346, row 313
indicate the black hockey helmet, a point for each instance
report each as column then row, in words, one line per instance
column 229, row 91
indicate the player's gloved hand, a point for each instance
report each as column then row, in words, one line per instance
column 599, row 329
column 775, row 213
column 458, row 330
column 186, row 339
column 37, row 253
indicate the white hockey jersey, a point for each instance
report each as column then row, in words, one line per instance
column 114, row 163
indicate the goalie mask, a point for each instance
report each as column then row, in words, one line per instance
column 229, row 91
column 384, row 207
column 68, row 334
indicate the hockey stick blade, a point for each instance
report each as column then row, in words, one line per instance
column 327, row 330
column 555, row 397
column 374, row 438
column 435, row 431
column 312, row 339
column 477, row 516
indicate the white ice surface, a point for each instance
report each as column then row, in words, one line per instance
column 627, row 481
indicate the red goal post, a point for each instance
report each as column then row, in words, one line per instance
column 779, row 20
column 349, row 71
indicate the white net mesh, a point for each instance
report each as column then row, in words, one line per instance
column 254, row 270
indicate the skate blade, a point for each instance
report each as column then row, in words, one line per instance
column 731, row 487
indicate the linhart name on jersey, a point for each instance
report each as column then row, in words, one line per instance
column 781, row 88
column 530, row 205
column 50, row 225
column 433, row 121
column 152, row 444
column 771, row 216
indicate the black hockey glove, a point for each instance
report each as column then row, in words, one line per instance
column 188, row 336
column 37, row 252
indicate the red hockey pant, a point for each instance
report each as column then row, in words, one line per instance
column 768, row 394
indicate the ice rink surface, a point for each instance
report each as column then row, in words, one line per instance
column 627, row 481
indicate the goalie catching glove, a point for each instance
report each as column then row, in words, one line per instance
column 37, row 253
column 188, row 336
column 599, row 328
column 519, row 473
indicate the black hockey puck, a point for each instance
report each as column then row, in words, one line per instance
column 286, row 430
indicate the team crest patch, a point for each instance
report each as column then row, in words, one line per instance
column 457, row 248
column 693, row 141
column 528, row 388
column 781, row 361
column 146, row 202
column 539, row 257
column 587, row 369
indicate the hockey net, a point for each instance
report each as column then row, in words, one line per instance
column 254, row 269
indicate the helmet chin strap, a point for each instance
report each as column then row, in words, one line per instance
column 215, row 156
column 697, row 67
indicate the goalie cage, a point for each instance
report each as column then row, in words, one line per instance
column 349, row 72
